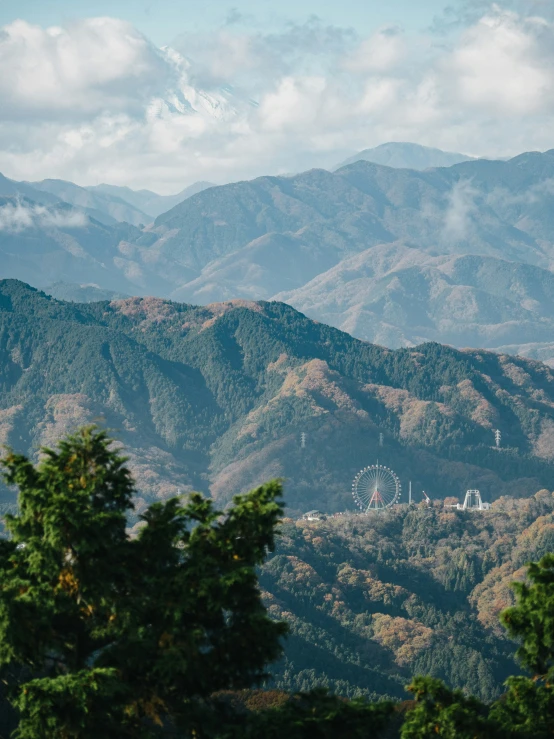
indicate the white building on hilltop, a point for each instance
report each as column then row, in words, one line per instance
column 314, row 516
column 472, row 502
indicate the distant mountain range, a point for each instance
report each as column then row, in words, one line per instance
column 107, row 204
column 460, row 254
column 106, row 209
column 378, row 251
column 407, row 156
column 146, row 201
column 400, row 296
column 215, row 398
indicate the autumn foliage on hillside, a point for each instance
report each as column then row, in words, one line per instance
column 372, row 600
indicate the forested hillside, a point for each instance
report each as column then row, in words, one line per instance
column 372, row 600
column 215, row 398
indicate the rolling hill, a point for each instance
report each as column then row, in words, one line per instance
column 216, row 397
column 399, row 296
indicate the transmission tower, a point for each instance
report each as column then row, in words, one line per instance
column 303, row 440
column 497, row 437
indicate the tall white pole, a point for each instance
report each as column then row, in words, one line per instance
column 410, row 493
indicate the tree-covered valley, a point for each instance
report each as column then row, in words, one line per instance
column 164, row 631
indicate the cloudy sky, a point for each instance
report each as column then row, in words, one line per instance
column 159, row 94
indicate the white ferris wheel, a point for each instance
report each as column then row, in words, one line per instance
column 375, row 488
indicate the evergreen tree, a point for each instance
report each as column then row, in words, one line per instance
column 120, row 636
column 446, row 713
column 526, row 711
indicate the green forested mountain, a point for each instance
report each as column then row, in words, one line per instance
column 216, row 397
column 373, row 600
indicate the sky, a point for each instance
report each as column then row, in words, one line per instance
column 161, row 20
column 159, row 94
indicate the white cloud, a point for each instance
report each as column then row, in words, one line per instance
column 461, row 206
column 381, row 52
column 500, row 197
column 503, row 65
column 296, row 102
column 16, row 217
column 95, row 101
column 89, row 66
column 250, row 60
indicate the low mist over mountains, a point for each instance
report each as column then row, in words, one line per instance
column 215, row 398
column 460, row 254
column 107, row 204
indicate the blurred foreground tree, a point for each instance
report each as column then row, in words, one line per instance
column 126, row 637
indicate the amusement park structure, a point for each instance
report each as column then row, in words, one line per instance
column 375, row 487
column 378, row 487
column 472, row 502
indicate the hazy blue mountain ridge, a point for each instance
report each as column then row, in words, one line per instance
column 312, row 239
column 398, row 296
column 403, row 155
column 106, row 209
column 148, row 201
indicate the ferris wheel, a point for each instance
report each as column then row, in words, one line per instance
column 375, row 488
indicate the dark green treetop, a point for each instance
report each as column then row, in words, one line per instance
column 531, row 621
column 127, row 637
column 526, row 711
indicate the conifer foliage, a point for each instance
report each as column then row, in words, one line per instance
column 122, row 636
